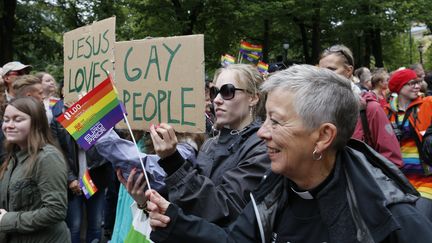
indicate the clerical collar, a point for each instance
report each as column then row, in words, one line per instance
column 304, row 194
column 311, row 194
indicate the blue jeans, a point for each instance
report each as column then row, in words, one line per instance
column 94, row 208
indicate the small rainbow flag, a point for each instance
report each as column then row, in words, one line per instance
column 227, row 59
column 93, row 115
column 248, row 47
column 87, row 185
column 251, row 57
column 262, row 67
column 53, row 101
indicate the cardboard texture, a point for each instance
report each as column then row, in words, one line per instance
column 162, row 80
column 88, row 57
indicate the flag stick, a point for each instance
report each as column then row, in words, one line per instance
column 138, row 152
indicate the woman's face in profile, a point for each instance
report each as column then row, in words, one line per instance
column 16, row 126
column 231, row 112
column 384, row 83
column 48, row 84
column 289, row 143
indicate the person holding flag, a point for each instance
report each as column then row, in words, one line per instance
column 89, row 173
column 229, row 165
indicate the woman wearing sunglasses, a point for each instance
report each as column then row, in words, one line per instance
column 229, row 165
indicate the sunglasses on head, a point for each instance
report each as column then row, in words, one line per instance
column 343, row 53
column 227, row 91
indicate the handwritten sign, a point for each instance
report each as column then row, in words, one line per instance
column 88, row 57
column 162, row 80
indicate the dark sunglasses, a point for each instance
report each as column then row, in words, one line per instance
column 227, row 91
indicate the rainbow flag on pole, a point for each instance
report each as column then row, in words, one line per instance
column 248, row 47
column 93, row 115
column 251, row 57
column 227, row 59
column 262, row 67
column 87, row 185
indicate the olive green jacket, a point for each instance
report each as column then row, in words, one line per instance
column 36, row 204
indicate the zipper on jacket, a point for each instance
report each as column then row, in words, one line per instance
column 261, row 229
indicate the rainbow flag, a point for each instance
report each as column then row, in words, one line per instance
column 248, row 47
column 262, row 67
column 93, row 115
column 227, row 60
column 251, row 57
column 53, row 101
column 87, row 185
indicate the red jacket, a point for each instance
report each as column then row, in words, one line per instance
column 382, row 137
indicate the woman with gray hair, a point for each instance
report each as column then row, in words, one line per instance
column 319, row 189
column 372, row 126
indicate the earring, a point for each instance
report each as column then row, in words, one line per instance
column 316, row 155
column 251, row 111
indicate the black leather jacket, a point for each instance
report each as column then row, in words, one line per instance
column 377, row 206
column 228, row 167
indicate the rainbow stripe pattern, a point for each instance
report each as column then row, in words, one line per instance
column 418, row 173
column 93, row 115
column 227, row 60
column 248, row 47
column 53, row 101
column 262, row 67
column 87, row 185
column 251, row 57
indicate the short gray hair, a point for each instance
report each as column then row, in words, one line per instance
column 320, row 96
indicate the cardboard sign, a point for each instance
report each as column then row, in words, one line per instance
column 162, row 80
column 88, row 57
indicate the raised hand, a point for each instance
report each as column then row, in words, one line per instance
column 164, row 139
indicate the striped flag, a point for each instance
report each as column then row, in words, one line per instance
column 227, row 60
column 87, row 185
column 248, row 47
column 93, row 115
column 251, row 57
column 53, row 101
column 262, row 67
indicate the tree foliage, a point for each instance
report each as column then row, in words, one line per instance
column 376, row 30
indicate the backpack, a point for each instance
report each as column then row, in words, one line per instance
column 426, row 146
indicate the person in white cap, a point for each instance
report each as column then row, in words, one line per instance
column 10, row 72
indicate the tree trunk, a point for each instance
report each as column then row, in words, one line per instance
column 304, row 39
column 189, row 17
column 7, row 25
column 316, row 34
column 266, row 40
column 377, row 47
column 367, row 49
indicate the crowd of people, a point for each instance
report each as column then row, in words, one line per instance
column 324, row 153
